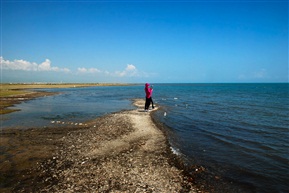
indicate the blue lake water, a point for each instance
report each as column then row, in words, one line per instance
column 238, row 132
column 72, row 104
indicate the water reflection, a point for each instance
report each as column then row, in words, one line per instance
column 72, row 105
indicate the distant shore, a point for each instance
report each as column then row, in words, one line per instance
column 119, row 152
column 11, row 94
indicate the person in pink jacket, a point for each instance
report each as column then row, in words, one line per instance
column 149, row 100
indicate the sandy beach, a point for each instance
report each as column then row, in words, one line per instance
column 119, row 152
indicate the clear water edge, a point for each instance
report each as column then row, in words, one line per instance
column 237, row 131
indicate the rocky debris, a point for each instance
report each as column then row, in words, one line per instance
column 120, row 152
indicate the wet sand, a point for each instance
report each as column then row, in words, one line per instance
column 120, row 152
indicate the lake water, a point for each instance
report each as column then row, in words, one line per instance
column 238, row 132
column 72, row 104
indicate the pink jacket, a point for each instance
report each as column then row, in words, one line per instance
column 148, row 90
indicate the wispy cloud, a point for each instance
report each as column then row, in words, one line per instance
column 257, row 75
column 88, row 70
column 129, row 71
column 29, row 66
column 260, row 74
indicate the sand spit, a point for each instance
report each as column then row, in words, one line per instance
column 120, row 152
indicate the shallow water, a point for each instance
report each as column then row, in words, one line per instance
column 72, row 105
column 236, row 131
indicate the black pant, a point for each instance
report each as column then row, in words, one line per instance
column 148, row 102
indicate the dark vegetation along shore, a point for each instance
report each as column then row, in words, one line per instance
column 120, row 152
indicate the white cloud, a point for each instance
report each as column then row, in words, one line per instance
column 129, row 71
column 82, row 70
column 29, row 66
column 88, row 70
column 45, row 66
column 119, row 73
column 130, row 67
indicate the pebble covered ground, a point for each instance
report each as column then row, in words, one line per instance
column 119, row 152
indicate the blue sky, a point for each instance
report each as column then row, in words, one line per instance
column 144, row 41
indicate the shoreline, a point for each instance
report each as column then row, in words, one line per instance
column 16, row 93
column 118, row 152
